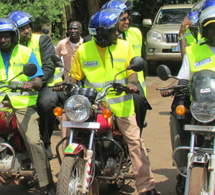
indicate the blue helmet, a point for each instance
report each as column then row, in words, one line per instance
column 101, row 22
column 8, row 25
column 194, row 17
column 21, row 18
column 118, row 4
column 207, row 4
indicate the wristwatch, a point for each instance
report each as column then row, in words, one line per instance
column 180, row 38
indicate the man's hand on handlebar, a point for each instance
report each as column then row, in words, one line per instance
column 26, row 86
column 131, row 88
column 58, row 86
column 166, row 93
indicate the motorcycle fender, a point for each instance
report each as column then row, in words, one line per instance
column 75, row 148
column 200, row 158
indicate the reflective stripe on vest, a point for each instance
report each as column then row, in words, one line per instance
column 98, row 75
column 101, row 85
column 120, row 99
column 11, row 83
column 19, row 58
column 25, row 93
column 134, row 37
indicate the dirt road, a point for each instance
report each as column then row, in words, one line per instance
column 156, row 137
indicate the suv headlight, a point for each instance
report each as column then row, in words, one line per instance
column 155, row 36
column 77, row 108
column 203, row 111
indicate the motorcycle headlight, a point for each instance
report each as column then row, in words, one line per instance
column 155, row 36
column 77, row 108
column 203, row 111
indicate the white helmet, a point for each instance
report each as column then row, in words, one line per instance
column 206, row 17
column 198, row 6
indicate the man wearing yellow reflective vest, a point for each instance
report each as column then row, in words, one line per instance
column 197, row 57
column 134, row 36
column 99, row 60
column 42, row 47
column 12, row 59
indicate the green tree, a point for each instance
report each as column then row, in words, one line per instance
column 44, row 12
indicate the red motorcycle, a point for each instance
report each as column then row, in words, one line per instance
column 96, row 149
column 15, row 164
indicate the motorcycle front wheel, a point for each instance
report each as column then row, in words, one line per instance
column 199, row 180
column 71, row 176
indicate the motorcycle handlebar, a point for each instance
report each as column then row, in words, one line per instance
column 176, row 89
column 13, row 87
column 118, row 87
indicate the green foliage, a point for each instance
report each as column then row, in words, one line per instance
column 44, row 11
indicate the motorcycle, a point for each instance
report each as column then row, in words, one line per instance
column 15, row 164
column 96, row 149
column 200, row 176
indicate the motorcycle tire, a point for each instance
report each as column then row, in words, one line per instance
column 199, row 180
column 71, row 175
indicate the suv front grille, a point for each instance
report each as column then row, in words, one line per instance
column 171, row 38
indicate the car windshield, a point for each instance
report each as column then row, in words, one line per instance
column 172, row 16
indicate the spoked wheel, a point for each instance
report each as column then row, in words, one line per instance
column 71, row 176
column 199, row 181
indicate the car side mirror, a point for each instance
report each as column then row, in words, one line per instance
column 147, row 22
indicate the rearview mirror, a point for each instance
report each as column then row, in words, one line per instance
column 56, row 60
column 30, row 69
column 137, row 64
column 163, row 72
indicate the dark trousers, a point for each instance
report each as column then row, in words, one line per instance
column 47, row 101
column 140, row 104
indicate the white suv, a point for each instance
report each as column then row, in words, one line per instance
column 162, row 38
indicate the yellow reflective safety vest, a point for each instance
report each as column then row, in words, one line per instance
column 19, row 57
column 200, row 57
column 99, row 75
column 190, row 39
column 134, row 37
column 35, row 46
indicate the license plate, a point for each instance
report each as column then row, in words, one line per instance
column 85, row 125
column 175, row 49
column 199, row 128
